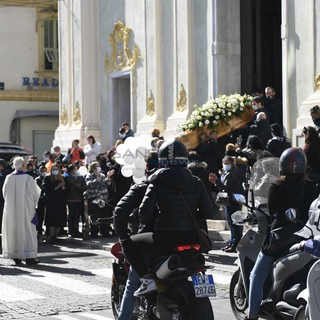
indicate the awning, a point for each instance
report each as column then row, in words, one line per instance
column 8, row 151
column 25, row 114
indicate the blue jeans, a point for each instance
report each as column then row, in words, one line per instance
column 236, row 231
column 258, row 276
column 128, row 300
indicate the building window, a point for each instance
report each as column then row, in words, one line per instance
column 51, row 53
column 47, row 26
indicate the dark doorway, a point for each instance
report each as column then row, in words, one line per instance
column 121, row 103
column 261, row 57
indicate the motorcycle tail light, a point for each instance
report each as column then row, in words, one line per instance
column 184, row 247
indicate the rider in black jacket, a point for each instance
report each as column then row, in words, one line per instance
column 292, row 190
column 125, row 210
column 131, row 201
column 173, row 224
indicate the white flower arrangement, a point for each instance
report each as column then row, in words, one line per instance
column 221, row 109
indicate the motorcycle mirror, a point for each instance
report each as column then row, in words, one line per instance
column 238, row 217
column 291, row 214
column 239, row 198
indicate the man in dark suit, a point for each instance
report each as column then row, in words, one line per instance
column 274, row 106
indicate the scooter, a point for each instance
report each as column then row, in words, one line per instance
column 288, row 275
column 310, row 310
column 311, row 295
column 177, row 297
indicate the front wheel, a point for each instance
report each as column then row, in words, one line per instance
column 238, row 297
column 116, row 297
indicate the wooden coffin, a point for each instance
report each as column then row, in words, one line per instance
column 192, row 139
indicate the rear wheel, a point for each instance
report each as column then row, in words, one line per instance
column 238, row 298
column 203, row 309
column 184, row 296
column 190, row 307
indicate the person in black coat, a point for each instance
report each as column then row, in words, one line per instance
column 3, row 174
column 177, row 194
column 258, row 106
column 231, row 181
column 253, row 149
column 168, row 188
column 42, row 201
column 198, row 167
column 274, row 106
column 312, row 151
column 209, row 152
column 315, row 116
column 292, row 190
column 261, row 128
column 75, row 187
column 131, row 201
column 56, row 213
column 123, row 218
column 278, row 143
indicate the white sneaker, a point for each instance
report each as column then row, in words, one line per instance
column 147, row 286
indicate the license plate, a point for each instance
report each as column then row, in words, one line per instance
column 204, row 286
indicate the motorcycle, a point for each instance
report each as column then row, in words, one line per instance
column 177, row 297
column 286, row 279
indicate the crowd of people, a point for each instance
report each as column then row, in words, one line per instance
column 67, row 184
column 177, row 181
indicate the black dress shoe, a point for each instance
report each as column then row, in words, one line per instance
column 18, row 262
column 32, row 261
column 230, row 249
column 226, row 247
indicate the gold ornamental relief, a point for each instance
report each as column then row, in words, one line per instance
column 317, row 81
column 182, row 99
column 64, row 116
column 122, row 57
column 77, row 114
column 151, row 106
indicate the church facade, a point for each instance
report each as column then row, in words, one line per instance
column 149, row 62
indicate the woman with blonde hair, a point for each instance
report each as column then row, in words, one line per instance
column 56, row 214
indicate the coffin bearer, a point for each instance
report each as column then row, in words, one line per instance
column 19, row 235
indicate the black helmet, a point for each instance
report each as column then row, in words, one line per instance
column 173, row 153
column 293, row 161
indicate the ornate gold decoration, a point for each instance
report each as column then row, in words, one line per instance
column 76, row 113
column 122, row 56
column 182, row 100
column 151, row 106
column 64, row 116
column 40, row 4
column 26, row 95
column 317, row 81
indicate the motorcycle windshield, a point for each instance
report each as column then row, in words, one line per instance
column 312, row 227
column 264, row 172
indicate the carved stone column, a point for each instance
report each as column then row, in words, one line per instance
column 153, row 64
column 79, row 72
